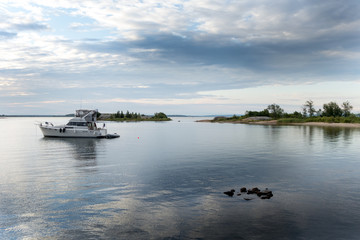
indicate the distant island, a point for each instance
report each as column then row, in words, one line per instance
column 120, row 116
column 331, row 115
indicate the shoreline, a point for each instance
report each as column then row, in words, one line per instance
column 324, row 124
column 275, row 123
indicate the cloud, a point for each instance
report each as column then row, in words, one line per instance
column 168, row 52
column 173, row 101
column 31, row 26
column 35, row 104
column 6, row 35
column 17, row 94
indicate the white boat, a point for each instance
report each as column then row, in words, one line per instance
column 83, row 125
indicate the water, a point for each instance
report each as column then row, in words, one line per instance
column 165, row 180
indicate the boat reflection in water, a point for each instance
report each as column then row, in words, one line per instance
column 83, row 149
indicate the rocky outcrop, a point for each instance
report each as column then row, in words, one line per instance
column 258, row 118
column 262, row 194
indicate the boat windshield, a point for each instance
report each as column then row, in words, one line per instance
column 77, row 124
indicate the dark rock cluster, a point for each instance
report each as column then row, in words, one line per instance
column 264, row 194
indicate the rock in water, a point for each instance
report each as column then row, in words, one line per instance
column 230, row 193
column 255, row 190
column 266, row 194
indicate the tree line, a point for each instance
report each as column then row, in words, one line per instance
column 331, row 109
column 120, row 115
column 127, row 115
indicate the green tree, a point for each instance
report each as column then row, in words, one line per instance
column 127, row 115
column 122, row 114
column 293, row 115
column 346, row 108
column 309, row 108
column 263, row 113
column 117, row 114
column 304, row 111
column 332, row 109
column 160, row 115
column 275, row 111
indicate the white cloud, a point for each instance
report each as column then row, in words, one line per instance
column 34, row 104
column 35, row 51
column 174, row 101
column 246, row 20
column 343, row 54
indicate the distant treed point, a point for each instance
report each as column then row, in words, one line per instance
column 121, row 116
column 330, row 113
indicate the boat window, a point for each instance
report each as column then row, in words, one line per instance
column 76, row 124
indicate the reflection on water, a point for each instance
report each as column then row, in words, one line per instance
column 166, row 181
column 338, row 134
column 81, row 148
column 329, row 134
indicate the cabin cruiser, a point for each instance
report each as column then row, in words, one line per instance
column 83, row 125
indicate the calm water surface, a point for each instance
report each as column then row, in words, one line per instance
column 166, row 181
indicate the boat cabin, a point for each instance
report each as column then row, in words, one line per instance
column 84, row 118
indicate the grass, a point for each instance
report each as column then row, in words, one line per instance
column 351, row 119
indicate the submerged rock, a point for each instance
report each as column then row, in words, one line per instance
column 248, row 199
column 266, row 197
column 265, row 192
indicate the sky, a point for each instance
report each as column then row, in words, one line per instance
column 194, row 57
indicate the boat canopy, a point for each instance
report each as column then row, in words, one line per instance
column 88, row 115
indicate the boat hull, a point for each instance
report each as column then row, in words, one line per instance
column 72, row 133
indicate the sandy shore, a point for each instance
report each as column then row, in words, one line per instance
column 274, row 122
